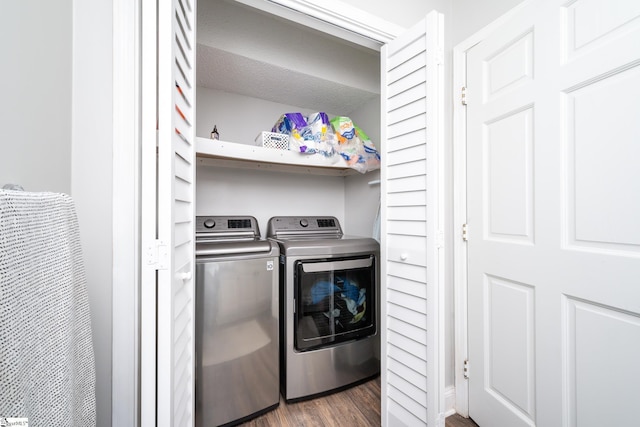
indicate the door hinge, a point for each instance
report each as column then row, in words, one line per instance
column 463, row 95
column 157, row 255
column 465, row 232
column 465, row 370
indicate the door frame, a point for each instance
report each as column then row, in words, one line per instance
column 125, row 315
column 459, row 164
column 130, row 391
column 333, row 17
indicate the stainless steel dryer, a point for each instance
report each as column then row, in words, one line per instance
column 329, row 306
column 237, row 368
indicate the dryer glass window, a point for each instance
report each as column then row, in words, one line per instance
column 334, row 301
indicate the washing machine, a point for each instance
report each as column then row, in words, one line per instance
column 237, row 320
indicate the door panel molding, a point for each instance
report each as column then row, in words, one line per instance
column 587, row 180
column 459, row 81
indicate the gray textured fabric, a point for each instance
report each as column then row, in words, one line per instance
column 47, row 367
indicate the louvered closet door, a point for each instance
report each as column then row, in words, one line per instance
column 412, row 112
column 176, row 174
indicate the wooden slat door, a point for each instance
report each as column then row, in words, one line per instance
column 175, row 216
column 412, row 111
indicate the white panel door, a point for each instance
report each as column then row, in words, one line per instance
column 411, row 294
column 553, row 142
column 176, row 174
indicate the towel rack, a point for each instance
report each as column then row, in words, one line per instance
column 15, row 187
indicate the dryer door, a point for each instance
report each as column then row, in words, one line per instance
column 335, row 301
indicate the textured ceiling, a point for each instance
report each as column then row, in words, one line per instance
column 252, row 53
column 222, row 70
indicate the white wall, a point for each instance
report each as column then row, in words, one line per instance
column 404, row 13
column 35, row 112
column 238, row 118
column 56, row 120
column 467, row 16
column 470, row 16
column 92, row 176
column 263, row 194
column 361, row 198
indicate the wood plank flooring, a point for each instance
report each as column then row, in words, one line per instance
column 357, row 406
column 456, row 420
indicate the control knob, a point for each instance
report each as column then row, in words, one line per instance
column 209, row 223
column 304, row 222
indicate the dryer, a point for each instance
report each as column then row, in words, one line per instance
column 329, row 306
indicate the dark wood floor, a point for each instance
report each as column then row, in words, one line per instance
column 356, row 406
column 456, row 420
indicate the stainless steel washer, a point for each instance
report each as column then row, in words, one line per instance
column 237, row 371
column 329, row 302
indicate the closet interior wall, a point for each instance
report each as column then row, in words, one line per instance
column 251, row 68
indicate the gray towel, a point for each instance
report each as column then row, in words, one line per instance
column 47, row 367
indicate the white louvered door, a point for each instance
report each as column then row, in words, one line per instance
column 176, row 189
column 412, row 224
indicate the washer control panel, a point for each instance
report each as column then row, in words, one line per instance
column 226, row 225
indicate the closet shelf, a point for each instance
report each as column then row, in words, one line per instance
column 230, row 154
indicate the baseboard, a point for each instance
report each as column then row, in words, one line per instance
column 449, row 401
